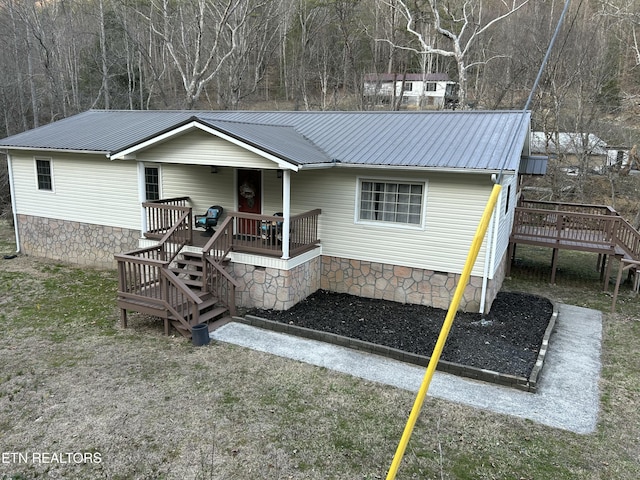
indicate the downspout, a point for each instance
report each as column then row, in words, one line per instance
column 490, row 251
column 13, row 202
column 142, row 196
column 286, row 212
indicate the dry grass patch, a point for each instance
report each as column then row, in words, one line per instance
column 155, row 407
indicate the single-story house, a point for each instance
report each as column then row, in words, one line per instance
column 376, row 204
column 416, row 89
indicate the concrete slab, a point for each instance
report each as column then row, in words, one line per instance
column 568, row 394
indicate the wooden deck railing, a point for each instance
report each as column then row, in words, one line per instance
column 262, row 234
column 164, row 214
column 627, row 238
column 143, row 278
column 604, row 232
column 582, row 231
column 304, row 232
column 567, row 207
column 214, row 254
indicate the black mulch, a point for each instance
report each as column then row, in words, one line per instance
column 506, row 340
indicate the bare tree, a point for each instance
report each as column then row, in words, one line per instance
column 200, row 35
column 462, row 26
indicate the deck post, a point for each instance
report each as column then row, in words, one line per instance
column 607, row 273
column 554, row 265
column 123, row 317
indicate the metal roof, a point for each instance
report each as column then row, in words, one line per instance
column 568, row 142
column 409, row 77
column 533, row 165
column 477, row 140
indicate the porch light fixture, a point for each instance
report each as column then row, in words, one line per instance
column 214, row 169
column 279, row 173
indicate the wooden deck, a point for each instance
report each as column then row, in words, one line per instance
column 566, row 226
column 186, row 288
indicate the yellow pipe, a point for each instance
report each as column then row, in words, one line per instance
column 444, row 332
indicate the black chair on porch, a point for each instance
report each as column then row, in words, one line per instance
column 210, row 219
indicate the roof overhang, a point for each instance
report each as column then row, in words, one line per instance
column 7, row 149
column 195, row 124
column 406, row 168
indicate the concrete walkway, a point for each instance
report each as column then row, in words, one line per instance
column 567, row 397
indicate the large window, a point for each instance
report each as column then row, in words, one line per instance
column 44, row 175
column 152, row 183
column 430, row 86
column 392, row 202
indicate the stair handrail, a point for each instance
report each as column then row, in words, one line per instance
column 625, row 229
column 171, row 237
column 222, row 271
column 223, row 232
column 213, row 254
column 192, row 299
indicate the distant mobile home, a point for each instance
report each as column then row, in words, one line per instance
column 433, row 90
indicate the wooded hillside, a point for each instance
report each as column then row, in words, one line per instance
column 60, row 57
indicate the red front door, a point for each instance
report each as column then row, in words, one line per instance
column 249, row 188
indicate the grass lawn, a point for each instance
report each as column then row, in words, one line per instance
column 81, row 398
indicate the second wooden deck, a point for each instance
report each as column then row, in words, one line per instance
column 590, row 228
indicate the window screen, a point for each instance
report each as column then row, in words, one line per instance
column 43, row 169
column 152, row 183
column 391, row 202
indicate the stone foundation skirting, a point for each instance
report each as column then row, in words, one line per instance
column 404, row 284
column 75, row 242
column 272, row 288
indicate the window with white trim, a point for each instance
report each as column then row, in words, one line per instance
column 152, row 183
column 44, row 174
column 391, row 202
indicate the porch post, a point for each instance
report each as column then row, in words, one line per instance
column 286, row 212
column 142, row 197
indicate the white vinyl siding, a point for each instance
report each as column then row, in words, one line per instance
column 88, row 189
column 206, row 189
column 506, row 219
column 202, row 148
column 453, row 208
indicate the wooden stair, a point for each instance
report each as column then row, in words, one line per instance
column 189, row 268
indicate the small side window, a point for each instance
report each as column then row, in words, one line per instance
column 44, row 174
column 152, row 183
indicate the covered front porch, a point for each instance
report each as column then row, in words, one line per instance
column 273, row 236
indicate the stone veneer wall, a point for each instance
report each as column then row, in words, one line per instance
column 272, row 288
column 404, row 284
column 75, row 242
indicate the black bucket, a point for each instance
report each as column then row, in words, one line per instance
column 200, row 334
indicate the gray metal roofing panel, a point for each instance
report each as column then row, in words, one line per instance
column 465, row 139
column 569, row 143
column 96, row 130
column 280, row 140
column 533, row 165
column 480, row 140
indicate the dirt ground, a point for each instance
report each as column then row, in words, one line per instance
column 507, row 340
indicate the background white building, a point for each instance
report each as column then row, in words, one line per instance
column 414, row 89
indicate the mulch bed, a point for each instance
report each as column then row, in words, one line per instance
column 506, row 340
